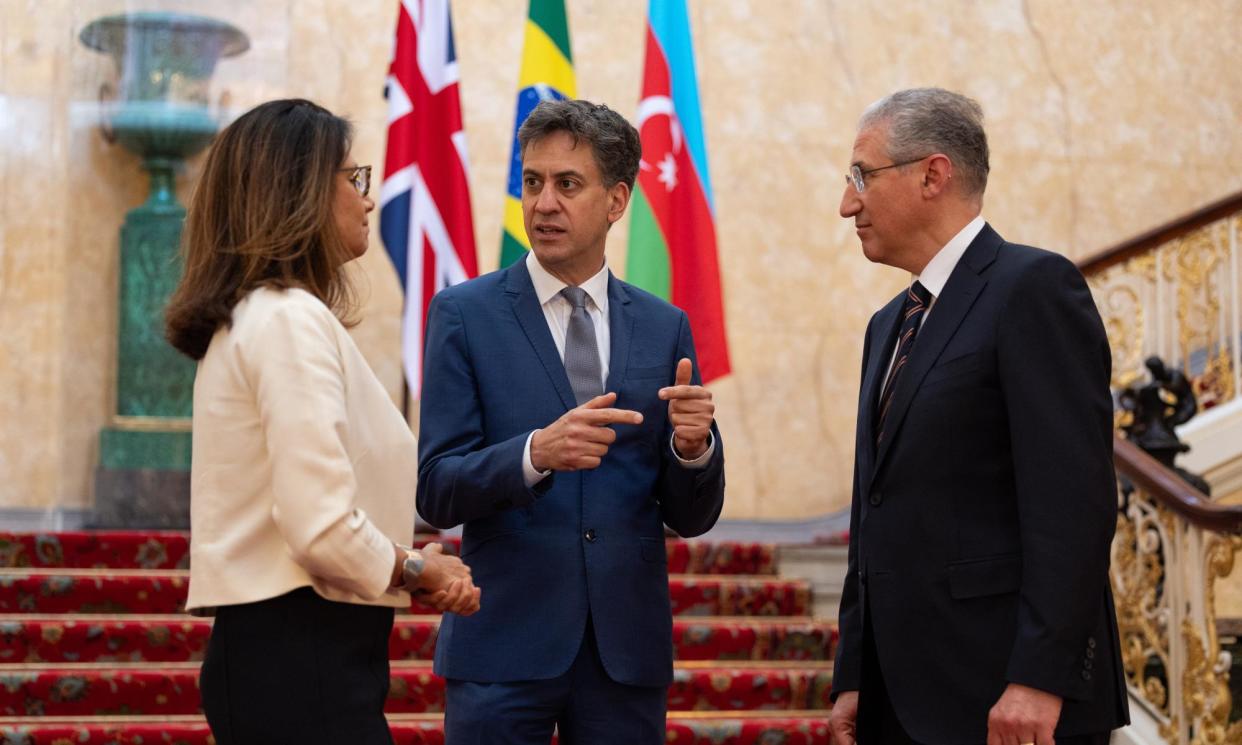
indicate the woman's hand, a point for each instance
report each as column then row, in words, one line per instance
column 445, row 582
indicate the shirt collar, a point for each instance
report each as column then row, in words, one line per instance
column 936, row 274
column 548, row 287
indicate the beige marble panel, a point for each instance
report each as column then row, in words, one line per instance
column 32, row 245
column 1105, row 119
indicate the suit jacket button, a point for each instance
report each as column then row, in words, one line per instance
column 875, row 499
column 1091, row 642
column 1090, row 653
column 589, row 535
column 1086, row 664
column 1086, row 675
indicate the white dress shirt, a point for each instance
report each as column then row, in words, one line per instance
column 556, row 311
column 936, row 274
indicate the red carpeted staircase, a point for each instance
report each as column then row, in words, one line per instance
column 94, row 647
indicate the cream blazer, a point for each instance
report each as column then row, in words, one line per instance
column 303, row 471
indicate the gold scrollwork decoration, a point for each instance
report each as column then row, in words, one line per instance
column 1196, row 257
column 1138, row 578
column 1122, row 311
column 1206, row 679
column 1148, row 537
column 1215, row 385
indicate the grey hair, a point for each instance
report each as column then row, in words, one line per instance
column 922, row 121
column 613, row 140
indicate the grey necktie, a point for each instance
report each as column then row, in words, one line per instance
column 581, row 351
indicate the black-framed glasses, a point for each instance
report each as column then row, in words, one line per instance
column 858, row 177
column 360, row 177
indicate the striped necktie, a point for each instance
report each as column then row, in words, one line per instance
column 917, row 300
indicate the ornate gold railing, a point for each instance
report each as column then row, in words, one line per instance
column 1175, row 292
column 1172, row 546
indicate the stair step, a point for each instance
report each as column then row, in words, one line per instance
column 164, row 591
column 684, row 728
column 55, row 638
column 163, row 549
column 172, row 688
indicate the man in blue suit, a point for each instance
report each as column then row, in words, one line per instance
column 562, row 423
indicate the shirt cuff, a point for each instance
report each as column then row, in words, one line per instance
column 530, row 474
column 699, row 462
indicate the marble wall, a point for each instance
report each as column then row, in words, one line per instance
column 1105, row 119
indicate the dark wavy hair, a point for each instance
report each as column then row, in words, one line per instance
column 261, row 216
column 613, row 140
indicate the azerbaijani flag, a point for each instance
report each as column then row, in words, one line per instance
column 672, row 249
column 547, row 73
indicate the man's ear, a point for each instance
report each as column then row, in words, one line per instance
column 938, row 176
column 618, row 200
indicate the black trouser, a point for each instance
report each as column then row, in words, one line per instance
column 877, row 721
column 296, row 669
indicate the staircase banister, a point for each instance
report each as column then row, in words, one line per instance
column 1161, row 234
column 1170, row 490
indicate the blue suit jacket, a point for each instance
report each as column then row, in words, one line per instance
column 491, row 375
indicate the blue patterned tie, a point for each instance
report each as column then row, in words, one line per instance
column 581, row 350
column 917, row 300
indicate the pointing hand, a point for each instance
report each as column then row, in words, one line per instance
column 691, row 411
column 580, row 438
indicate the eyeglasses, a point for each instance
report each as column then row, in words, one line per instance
column 360, row 177
column 857, row 176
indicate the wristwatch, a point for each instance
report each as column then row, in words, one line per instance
column 411, row 568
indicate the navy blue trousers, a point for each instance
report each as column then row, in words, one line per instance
column 584, row 705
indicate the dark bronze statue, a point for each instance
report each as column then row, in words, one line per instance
column 1155, row 409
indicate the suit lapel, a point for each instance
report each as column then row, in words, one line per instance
column 948, row 312
column 529, row 313
column 620, row 331
column 884, row 336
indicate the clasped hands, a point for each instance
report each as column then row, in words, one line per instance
column 445, row 582
column 580, row 439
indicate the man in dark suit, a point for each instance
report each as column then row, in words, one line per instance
column 977, row 605
column 563, row 424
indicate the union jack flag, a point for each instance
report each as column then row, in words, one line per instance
column 425, row 219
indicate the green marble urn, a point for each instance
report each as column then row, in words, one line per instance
column 159, row 110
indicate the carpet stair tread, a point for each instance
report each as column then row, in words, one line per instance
column 172, row 689
column 53, row 638
column 164, row 591
column 683, row 728
column 93, row 639
column 163, row 549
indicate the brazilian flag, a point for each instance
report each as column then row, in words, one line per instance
column 547, row 73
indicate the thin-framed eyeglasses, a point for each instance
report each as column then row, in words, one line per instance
column 360, row 177
column 858, row 177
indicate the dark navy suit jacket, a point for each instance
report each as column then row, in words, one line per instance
column 981, row 525
column 577, row 542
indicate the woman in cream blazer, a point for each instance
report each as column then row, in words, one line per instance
column 303, row 471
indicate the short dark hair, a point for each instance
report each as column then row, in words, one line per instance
column 613, row 140
column 922, row 121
